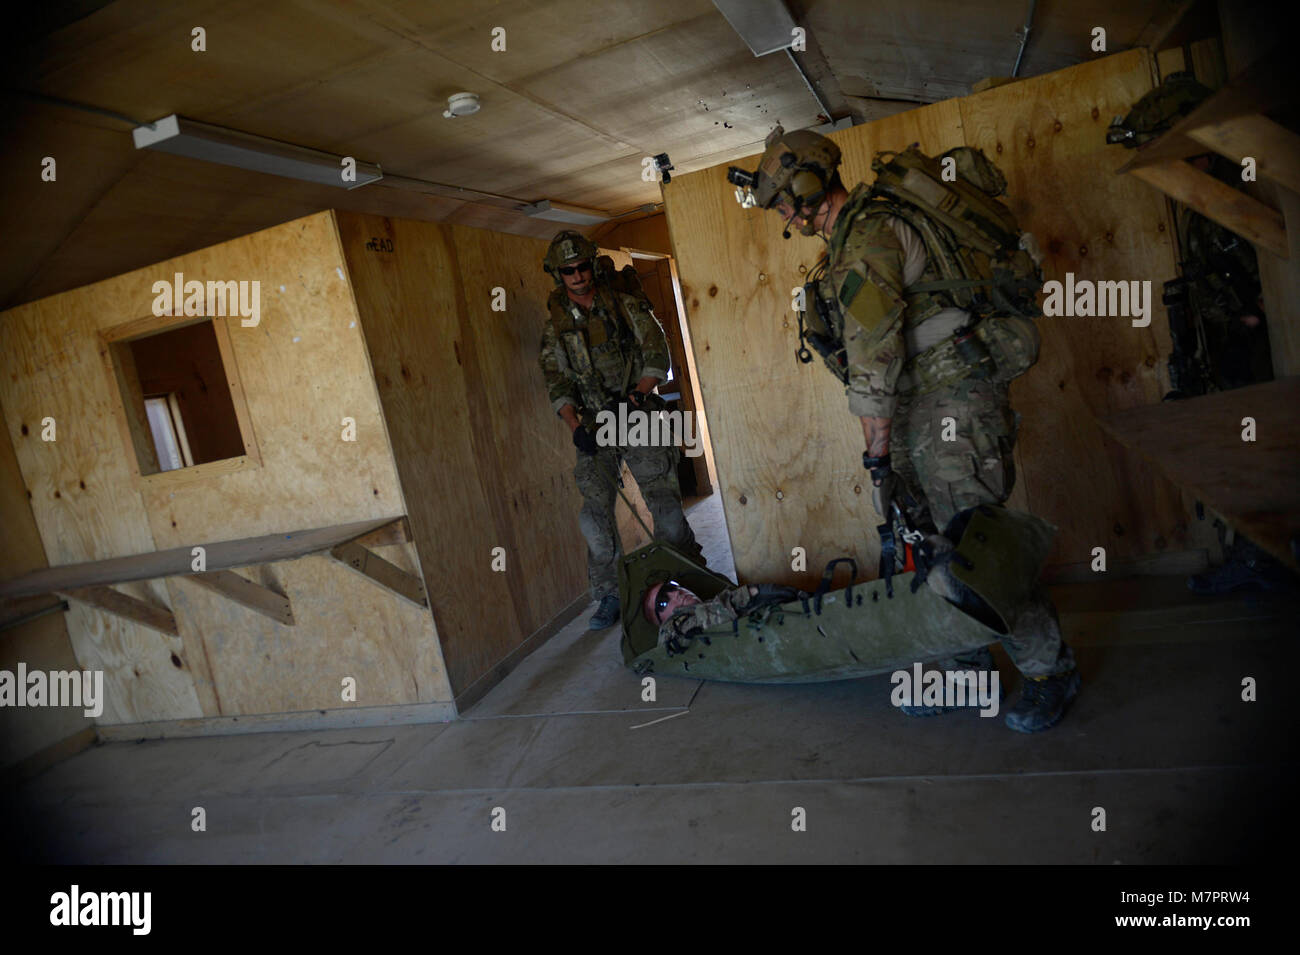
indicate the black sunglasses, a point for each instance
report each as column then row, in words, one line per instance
column 580, row 267
column 665, row 592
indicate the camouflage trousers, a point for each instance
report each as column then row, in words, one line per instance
column 975, row 467
column 655, row 471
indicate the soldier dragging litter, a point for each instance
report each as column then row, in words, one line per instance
column 603, row 346
column 923, row 308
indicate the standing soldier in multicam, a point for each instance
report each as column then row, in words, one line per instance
column 909, row 259
column 602, row 346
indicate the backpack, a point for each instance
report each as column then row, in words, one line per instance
column 622, row 280
column 988, row 264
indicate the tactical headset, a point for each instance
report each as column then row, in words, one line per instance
column 808, row 184
column 807, row 187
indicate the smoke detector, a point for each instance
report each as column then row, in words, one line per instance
column 461, row 104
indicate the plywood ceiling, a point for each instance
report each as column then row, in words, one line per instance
column 583, row 91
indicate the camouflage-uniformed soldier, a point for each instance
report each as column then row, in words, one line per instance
column 875, row 263
column 602, row 346
column 677, row 611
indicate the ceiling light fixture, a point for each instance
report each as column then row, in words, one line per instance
column 765, row 25
column 563, row 212
column 186, row 137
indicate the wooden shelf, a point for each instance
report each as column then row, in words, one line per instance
column 1197, row 444
column 220, row 555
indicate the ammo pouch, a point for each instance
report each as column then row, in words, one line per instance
column 1010, row 341
column 823, row 328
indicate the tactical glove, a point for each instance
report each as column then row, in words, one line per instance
column 646, row 401
column 770, row 594
column 584, row 440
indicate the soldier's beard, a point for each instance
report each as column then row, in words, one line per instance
column 810, row 224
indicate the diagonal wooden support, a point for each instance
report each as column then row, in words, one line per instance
column 1275, row 149
column 125, row 606
column 247, row 594
column 398, row 532
column 381, row 572
column 1232, row 209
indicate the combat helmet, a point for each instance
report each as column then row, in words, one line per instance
column 796, row 168
column 568, row 246
column 1158, row 110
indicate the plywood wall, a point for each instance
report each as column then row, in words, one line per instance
column 484, row 461
column 788, row 452
column 302, row 370
column 42, row 644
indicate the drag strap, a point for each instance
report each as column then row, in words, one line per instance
column 923, row 557
column 888, row 556
column 828, row 576
column 618, row 489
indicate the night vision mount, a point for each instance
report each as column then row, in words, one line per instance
column 745, row 183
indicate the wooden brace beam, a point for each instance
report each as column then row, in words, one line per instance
column 247, row 594
column 15, row 611
column 1275, row 149
column 125, row 606
column 1232, row 209
column 381, row 572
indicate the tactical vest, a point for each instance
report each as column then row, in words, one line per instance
column 600, row 348
column 986, row 266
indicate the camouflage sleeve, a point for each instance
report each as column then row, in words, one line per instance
column 870, row 294
column 649, row 335
column 561, row 389
column 724, row 608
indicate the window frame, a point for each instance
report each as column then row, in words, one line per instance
column 124, row 381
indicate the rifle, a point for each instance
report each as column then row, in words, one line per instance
column 1188, row 374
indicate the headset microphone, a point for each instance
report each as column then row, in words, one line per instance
column 785, row 233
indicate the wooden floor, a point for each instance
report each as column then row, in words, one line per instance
column 588, row 771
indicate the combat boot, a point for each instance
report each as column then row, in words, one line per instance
column 1043, row 700
column 980, row 660
column 1247, row 568
column 606, row 614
